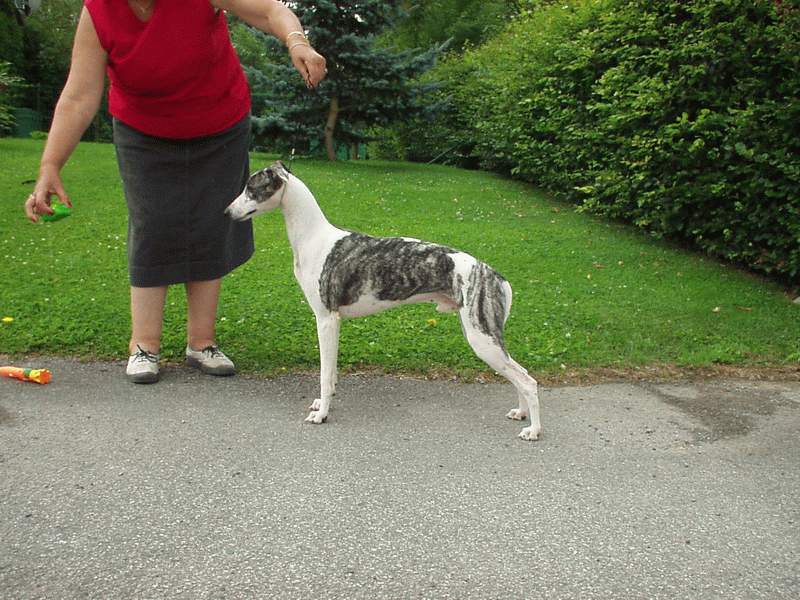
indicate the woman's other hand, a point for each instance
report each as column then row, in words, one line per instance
column 49, row 184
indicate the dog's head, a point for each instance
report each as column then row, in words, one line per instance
column 263, row 193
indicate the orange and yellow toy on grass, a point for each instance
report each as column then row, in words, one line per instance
column 36, row 375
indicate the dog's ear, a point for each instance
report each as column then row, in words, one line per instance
column 280, row 170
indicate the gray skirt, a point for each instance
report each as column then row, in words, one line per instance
column 177, row 191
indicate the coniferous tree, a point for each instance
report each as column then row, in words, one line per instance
column 367, row 85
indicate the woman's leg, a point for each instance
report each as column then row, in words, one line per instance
column 201, row 350
column 147, row 318
column 202, row 298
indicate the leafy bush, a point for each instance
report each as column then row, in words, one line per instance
column 462, row 22
column 443, row 134
column 9, row 85
column 681, row 117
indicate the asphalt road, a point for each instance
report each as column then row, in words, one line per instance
column 214, row 488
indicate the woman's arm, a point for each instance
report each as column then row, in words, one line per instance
column 75, row 109
column 273, row 17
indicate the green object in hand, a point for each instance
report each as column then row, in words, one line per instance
column 60, row 211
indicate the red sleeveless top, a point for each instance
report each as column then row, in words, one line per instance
column 177, row 74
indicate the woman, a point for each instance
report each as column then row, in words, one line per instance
column 181, row 105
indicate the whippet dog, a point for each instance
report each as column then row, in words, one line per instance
column 348, row 274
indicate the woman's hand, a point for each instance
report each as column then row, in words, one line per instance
column 76, row 108
column 277, row 19
column 309, row 63
column 48, row 184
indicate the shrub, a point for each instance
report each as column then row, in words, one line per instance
column 9, row 86
column 681, row 117
column 697, row 114
column 445, row 133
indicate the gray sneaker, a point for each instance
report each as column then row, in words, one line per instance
column 210, row 360
column 142, row 366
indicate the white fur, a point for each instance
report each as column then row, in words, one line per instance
column 312, row 238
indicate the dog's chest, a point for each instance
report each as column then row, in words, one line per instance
column 308, row 263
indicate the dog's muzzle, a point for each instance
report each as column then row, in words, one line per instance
column 234, row 210
column 245, row 217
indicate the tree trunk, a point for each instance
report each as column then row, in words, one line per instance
column 330, row 126
column 354, row 151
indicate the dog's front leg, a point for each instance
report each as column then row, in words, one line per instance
column 328, row 334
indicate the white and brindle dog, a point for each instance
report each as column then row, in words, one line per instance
column 348, row 274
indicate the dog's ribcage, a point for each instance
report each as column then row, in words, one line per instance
column 363, row 275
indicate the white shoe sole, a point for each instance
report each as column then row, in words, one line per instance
column 146, row 377
column 220, row 371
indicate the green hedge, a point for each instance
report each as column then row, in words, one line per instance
column 682, row 117
column 9, row 86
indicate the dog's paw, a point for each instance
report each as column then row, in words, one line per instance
column 530, row 434
column 517, row 414
column 315, row 405
column 316, row 417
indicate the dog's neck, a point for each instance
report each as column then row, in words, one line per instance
column 303, row 216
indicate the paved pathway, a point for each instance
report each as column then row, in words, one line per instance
column 206, row 488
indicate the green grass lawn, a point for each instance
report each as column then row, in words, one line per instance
column 587, row 293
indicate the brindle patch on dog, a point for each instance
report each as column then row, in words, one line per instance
column 392, row 269
column 487, row 301
column 263, row 184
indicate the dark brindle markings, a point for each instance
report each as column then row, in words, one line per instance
column 487, row 301
column 391, row 269
column 395, row 269
column 263, row 184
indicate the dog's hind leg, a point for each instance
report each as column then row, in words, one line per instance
column 521, row 413
column 328, row 335
column 491, row 350
column 486, row 304
column 498, row 359
column 528, row 394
